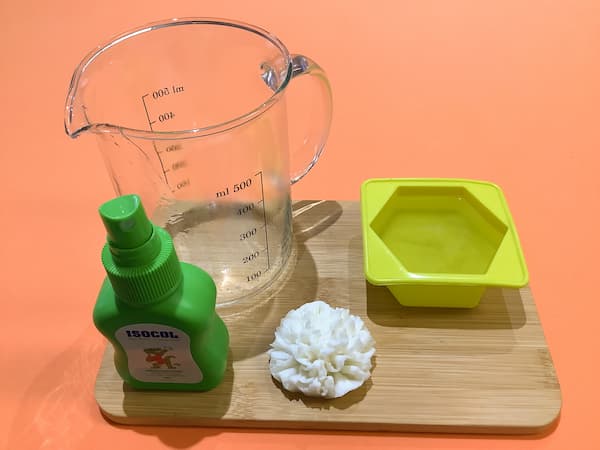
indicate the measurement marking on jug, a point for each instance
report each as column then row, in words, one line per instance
column 170, row 148
column 251, row 257
column 162, row 92
column 223, row 193
column 245, row 209
column 243, row 185
column 237, row 187
column 254, row 276
column 262, row 201
column 150, row 122
column 183, row 183
column 166, row 116
column 179, row 164
column 248, row 234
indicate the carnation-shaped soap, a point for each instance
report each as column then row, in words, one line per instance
column 321, row 351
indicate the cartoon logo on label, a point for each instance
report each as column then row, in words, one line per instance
column 158, row 358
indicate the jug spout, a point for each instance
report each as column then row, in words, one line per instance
column 76, row 120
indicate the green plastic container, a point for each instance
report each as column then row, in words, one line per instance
column 159, row 314
column 439, row 242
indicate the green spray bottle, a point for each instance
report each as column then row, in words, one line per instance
column 158, row 313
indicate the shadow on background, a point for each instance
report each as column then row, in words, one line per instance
column 58, row 410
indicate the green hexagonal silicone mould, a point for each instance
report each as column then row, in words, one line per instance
column 439, row 242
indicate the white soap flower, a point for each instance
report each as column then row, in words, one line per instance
column 321, row 351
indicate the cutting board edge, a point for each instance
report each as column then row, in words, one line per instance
column 540, row 429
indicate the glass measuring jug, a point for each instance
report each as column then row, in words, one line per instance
column 191, row 115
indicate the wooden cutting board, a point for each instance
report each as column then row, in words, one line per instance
column 485, row 370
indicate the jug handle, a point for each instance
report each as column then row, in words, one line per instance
column 320, row 114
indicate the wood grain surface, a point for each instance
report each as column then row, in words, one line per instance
column 482, row 370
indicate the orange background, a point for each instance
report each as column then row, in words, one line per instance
column 501, row 91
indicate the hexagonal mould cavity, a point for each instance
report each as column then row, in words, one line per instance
column 432, row 229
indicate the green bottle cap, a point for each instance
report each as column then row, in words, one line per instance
column 126, row 222
column 139, row 257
